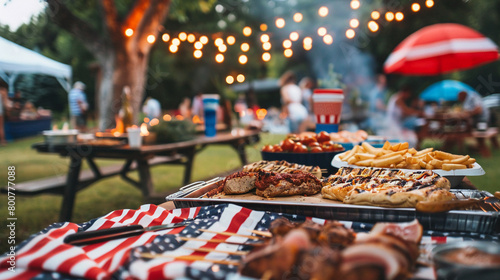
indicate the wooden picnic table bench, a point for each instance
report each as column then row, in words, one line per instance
column 140, row 159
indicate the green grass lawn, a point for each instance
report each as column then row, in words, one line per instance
column 37, row 212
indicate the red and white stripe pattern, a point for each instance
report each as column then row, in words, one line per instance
column 47, row 252
column 327, row 105
column 441, row 48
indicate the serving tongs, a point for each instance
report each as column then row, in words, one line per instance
column 188, row 189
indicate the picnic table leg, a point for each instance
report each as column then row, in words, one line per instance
column 70, row 189
column 240, row 149
column 189, row 165
column 146, row 181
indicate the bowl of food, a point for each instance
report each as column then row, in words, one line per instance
column 310, row 149
column 467, row 260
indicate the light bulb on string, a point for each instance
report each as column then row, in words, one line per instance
column 375, row 15
column 415, row 7
column 176, row 41
column 373, row 26
column 389, row 16
column 165, row 37
column 350, row 33
column 245, row 47
column 280, row 22
column 297, row 17
column 264, row 38
column 242, row 59
column 399, row 16
column 354, row 23
column 323, row 11
column 191, row 38
column 230, row 40
column 204, row 39
column 322, row 31
column 151, row 39
column 229, row 80
column 219, row 58
column 328, row 39
column 288, row 53
column 355, row 4
column 240, row 78
column 129, row 32
column 266, row 46
column 266, row 56
column 294, row 36
column 198, row 54
column 287, row 44
column 183, row 36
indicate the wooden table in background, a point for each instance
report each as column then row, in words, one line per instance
column 137, row 158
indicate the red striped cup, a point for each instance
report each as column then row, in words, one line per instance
column 327, row 105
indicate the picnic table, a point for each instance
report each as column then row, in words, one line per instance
column 134, row 158
column 455, row 129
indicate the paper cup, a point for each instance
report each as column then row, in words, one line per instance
column 134, row 137
column 327, row 107
column 210, row 106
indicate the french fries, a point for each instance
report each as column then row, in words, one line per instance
column 400, row 155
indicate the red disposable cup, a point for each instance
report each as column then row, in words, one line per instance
column 327, row 107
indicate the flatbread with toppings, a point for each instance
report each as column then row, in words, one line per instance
column 385, row 187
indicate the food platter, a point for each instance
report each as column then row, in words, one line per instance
column 454, row 176
column 486, row 221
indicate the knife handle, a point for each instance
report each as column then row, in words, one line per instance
column 94, row 236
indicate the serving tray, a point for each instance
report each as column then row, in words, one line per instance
column 454, row 176
column 485, row 221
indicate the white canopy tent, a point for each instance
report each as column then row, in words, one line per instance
column 16, row 59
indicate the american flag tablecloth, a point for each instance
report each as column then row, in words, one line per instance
column 45, row 256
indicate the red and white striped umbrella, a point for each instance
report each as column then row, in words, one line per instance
column 441, row 48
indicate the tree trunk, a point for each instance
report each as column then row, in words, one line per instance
column 123, row 60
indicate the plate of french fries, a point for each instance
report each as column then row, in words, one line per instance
column 401, row 156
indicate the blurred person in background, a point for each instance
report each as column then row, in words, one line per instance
column 152, row 108
column 400, row 118
column 473, row 108
column 307, row 85
column 377, row 106
column 78, row 107
column 291, row 101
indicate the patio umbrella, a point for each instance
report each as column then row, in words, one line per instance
column 446, row 90
column 439, row 49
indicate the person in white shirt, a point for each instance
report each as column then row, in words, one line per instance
column 291, row 99
column 152, row 108
column 473, row 107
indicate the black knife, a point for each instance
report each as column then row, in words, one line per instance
column 94, row 236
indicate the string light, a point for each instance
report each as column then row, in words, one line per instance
column 243, row 59
column 355, row 4
column 321, row 31
column 328, row 39
column 288, row 53
column 297, row 17
column 399, row 16
column 266, row 46
column 294, row 36
column 373, row 26
column 264, row 38
column 129, row 32
column 218, row 42
column 350, row 33
column 307, row 47
column 266, row 56
column 167, row 117
column 165, row 37
column 280, row 23
column 375, row 15
column 247, row 31
column 173, row 48
column 230, row 40
column 429, row 3
column 198, row 45
column 240, row 78
column 415, row 7
column 245, row 47
column 229, row 80
column 176, row 42
column 151, row 39
column 287, row 44
column 263, row 27
column 222, row 48
column 183, row 36
column 204, row 39
column 307, row 41
column 323, row 11
column 389, row 16
column 354, row 23
column 198, row 54
column 191, row 38
column 219, row 58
